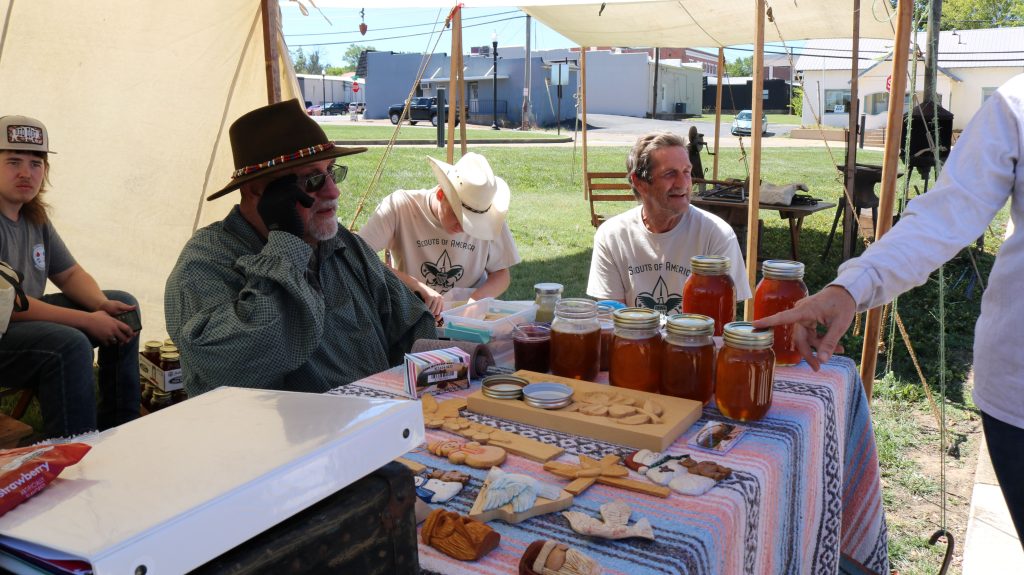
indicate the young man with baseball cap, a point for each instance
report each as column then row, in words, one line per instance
column 49, row 346
column 452, row 235
column 277, row 295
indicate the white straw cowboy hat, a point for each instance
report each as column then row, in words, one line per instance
column 478, row 197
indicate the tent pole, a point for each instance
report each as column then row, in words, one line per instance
column 583, row 90
column 271, row 25
column 453, row 85
column 718, row 111
column 890, row 165
column 462, row 91
column 757, row 107
column 849, row 216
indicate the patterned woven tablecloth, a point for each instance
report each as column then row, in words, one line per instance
column 805, row 487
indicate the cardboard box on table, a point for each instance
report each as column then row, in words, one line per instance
column 170, row 380
column 178, row 488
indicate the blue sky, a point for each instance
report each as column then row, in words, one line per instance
column 409, row 30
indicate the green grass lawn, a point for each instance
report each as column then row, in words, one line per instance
column 424, row 131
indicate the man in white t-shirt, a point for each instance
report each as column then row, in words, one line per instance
column 642, row 257
column 451, row 236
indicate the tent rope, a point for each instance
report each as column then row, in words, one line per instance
column 375, row 180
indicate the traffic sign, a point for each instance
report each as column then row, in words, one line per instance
column 355, row 87
column 888, row 83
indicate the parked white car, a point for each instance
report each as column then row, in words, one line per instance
column 741, row 124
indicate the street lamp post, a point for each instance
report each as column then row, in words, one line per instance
column 323, row 87
column 494, row 105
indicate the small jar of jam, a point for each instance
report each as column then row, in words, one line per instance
column 780, row 288
column 688, row 358
column 147, row 395
column 531, row 343
column 179, row 395
column 167, row 349
column 151, row 351
column 636, row 350
column 548, row 295
column 744, row 372
column 160, row 400
column 604, row 317
column 710, row 290
column 170, row 360
column 575, row 339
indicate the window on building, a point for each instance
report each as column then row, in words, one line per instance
column 837, row 101
column 878, row 103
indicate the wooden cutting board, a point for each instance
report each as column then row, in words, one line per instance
column 677, row 414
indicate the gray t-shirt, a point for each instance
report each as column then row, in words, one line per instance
column 35, row 251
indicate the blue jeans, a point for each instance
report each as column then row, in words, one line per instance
column 56, row 361
column 1006, row 449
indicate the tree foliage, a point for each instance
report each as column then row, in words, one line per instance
column 350, row 59
column 974, row 14
column 310, row 64
column 740, row 67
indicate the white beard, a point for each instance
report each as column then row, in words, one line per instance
column 322, row 229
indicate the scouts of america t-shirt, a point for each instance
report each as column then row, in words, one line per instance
column 404, row 224
column 645, row 269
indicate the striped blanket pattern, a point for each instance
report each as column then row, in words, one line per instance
column 805, row 486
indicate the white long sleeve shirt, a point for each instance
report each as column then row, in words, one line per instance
column 982, row 172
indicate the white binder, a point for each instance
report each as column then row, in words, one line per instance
column 177, row 488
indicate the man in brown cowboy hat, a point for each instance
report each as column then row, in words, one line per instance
column 276, row 295
column 451, row 236
column 49, row 346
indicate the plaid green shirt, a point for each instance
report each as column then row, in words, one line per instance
column 243, row 312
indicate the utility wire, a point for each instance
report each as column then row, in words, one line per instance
column 370, row 40
column 376, row 29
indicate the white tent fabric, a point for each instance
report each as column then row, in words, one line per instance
column 137, row 98
column 710, row 23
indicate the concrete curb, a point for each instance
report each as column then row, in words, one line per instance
column 991, row 544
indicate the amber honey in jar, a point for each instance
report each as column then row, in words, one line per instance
column 575, row 339
column 531, row 344
column 151, row 351
column 780, row 288
column 710, row 290
column 604, row 317
column 688, row 357
column 636, row 350
column 744, row 372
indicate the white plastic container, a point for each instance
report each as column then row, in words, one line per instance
column 488, row 321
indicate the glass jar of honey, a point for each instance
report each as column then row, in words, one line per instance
column 531, row 344
column 636, row 350
column 780, row 288
column 688, row 357
column 744, row 372
column 710, row 290
column 575, row 339
column 151, row 351
column 548, row 295
column 604, row 317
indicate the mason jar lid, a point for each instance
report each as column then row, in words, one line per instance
column 576, row 308
column 636, row 318
column 166, row 348
column 741, row 334
column 153, row 344
column 170, row 355
column 710, row 265
column 783, row 270
column 690, row 324
column 548, row 288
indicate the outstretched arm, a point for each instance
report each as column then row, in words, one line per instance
column 832, row 307
column 495, row 285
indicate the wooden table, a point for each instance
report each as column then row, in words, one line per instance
column 735, row 213
column 805, row 487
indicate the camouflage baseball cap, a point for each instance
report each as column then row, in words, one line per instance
column 24, row 134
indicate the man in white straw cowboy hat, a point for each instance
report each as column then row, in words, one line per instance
column 451, row 236
column 49, row 346
column 276, row 295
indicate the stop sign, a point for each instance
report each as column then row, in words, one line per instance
column 355, row 86
column 888, row 83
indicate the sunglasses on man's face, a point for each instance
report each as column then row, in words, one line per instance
column 336, row 172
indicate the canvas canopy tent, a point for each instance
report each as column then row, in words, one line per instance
column 137, row 98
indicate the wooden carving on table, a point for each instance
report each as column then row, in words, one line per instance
column 445, row 415
column 512, row 498
column 607, row 471
column 470, row 453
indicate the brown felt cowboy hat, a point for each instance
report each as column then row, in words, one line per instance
column 274, row 138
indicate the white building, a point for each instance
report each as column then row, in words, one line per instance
column 972, row 64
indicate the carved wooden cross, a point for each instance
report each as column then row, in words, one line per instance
column 607, row 471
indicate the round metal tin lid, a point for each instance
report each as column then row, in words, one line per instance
column 782, row 269
column 548, row 288
column 690, row 324
column 710, row 264
column 742, row 334
column 503, row 386
column 636, row 318
column 547, row 392
column 554, row 405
